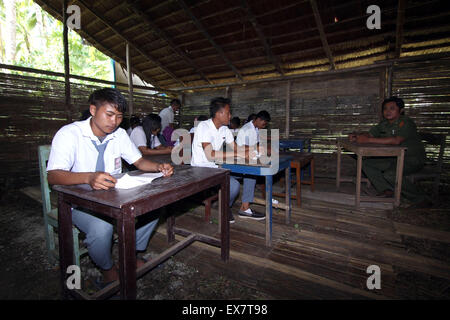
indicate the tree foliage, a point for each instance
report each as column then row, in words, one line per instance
column 39, row 44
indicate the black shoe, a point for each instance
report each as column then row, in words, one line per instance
column 231, row 218
column 252, row 215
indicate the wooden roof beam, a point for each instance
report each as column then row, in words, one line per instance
column 200, row 26
column 132, row 44
column 272, row 58
column 399, row 27
column 160, row 33
column 323, row 38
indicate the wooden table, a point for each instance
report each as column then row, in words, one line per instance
column 268, row 171
column 125, row 205
column 371, row 150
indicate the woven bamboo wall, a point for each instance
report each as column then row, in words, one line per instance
column 32, row 109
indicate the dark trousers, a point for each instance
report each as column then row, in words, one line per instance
column 381, row 171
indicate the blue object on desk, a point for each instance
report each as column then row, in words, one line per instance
column 268, row 173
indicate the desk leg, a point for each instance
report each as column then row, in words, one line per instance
column 288, row 194
column 338, row 168
column 127, row 255
column 65, row 241
column 358, row 181
column 169, row 224
column 269, row 181
column 224, row 199
column 399, row 177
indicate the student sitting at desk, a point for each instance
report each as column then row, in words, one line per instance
column 395, row 129
column 207, row 146
column 90, row 152
column 145, row 137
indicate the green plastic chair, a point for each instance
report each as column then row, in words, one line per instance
column 51, row 214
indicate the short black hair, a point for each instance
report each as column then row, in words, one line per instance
column 134, row 120
column 251, row 117
column 263, row 115
column 398, row 101
column 108, row 95
column 236, row 121
column 217, row 104
column 202, row 118
column 151, row 123
column 175, row 101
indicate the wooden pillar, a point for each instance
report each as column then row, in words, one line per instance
column 288, row 107
column 130, row 81
column 66, row 64
column 389, row 81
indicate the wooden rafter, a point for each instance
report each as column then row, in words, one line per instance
column 132, row 44
column 94, row 41
column 323, row 38
column 272, row 58
column 200, row 26
column 399, row 27
column 163, row 35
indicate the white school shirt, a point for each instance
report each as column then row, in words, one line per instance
column 167, row 117
column 140, row 139
column 73, row 150
column 248, row 135
column 206, row 131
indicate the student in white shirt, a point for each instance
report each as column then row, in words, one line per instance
column 167, row 114
column 197, row 120
column 210, row 135
column 145, row 137
column 235, row 123
column 90, row 152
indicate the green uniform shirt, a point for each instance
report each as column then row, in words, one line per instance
column 403, row 127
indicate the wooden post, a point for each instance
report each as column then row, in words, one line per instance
column 66, row 63
column 389, row 81
column 288, row 107
column 130, row 81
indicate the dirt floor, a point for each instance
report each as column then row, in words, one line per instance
column 27, row 274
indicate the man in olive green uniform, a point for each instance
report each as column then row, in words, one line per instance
column 394, row 129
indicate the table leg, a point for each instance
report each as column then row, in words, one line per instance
column 127, row 255
column 399, row 177
column 65, row 241
column 338, row 168
column 269, row 181
column 358, row 181
column 288, row 194
column 169, row 224
column 224, row 225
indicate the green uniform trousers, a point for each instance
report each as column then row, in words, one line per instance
column 381, row 171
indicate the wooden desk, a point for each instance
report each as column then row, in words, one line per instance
column 268, row 171
column 125, row 205
column 371, row 150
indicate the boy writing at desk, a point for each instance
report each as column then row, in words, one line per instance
column 207, row 146
column 395, row 129
column 90, row 152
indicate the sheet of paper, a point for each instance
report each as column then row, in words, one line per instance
column 128, row 182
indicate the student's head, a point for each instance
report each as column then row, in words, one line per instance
column 219, row 110
column 261, row 120
column 107, row 107
column 151, row 125
column 251, row 117
column 201, row 118
column 392, row 108
column 176, row 104
column 134, row 121
column 85, row 114
column 235, row 123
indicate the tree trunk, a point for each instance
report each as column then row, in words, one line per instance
column 10, row 31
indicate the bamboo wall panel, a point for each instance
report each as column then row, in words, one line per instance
column 32, row 109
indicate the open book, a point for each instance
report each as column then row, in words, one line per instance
column 128, row 182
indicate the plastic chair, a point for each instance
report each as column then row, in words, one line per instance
column 51, row 214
